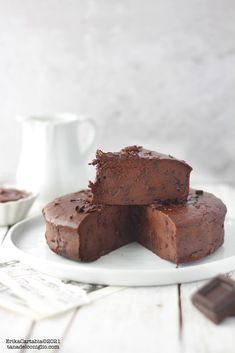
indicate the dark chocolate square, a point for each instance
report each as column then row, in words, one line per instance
column 216, row 300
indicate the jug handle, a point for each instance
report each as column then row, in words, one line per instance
column 87, row 144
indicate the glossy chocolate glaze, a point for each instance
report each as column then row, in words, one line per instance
column 9, row 194
column 77, row 229
column 136, row 176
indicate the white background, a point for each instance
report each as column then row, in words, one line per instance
column 160, row 73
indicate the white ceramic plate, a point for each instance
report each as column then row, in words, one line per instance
column 131, row 265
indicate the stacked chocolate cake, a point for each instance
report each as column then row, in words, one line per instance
column 139, row 195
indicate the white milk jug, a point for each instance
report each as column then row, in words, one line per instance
column 52, row 160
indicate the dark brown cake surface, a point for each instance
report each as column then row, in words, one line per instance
column 183, row 232
column 136, row 176
column 77, row 229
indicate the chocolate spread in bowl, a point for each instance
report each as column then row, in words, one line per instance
column 10, row 194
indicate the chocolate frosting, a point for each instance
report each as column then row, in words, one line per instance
column 8, row 194
column 134, row 151
column 184, row 232
column 136, row 176
column 178, row 232
column 71, row 209
column 199, row 205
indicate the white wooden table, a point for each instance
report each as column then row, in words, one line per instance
column 153, row 319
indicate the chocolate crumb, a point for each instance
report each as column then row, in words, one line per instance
column 93, row 162
column 99, row 154
column 80, row 209
column 199, row 192
column 130, row 149
column 90, row 184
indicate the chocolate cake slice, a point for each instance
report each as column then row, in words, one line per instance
column 77, row 229
column 136, row 176
column 184, row 232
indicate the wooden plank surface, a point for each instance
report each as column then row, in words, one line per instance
column 13, row 326
column 132, row 320
column 53, row 328
column 200, row 335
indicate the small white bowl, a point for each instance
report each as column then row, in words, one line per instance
column 12, row 212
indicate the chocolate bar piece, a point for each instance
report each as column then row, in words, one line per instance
column 136, row 176
column 216, row 300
